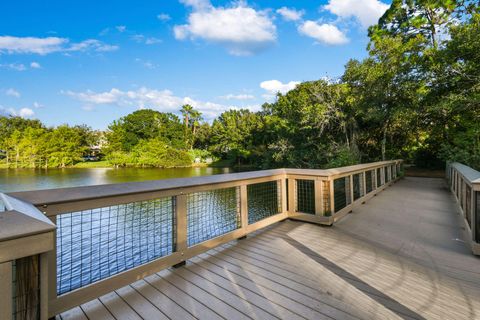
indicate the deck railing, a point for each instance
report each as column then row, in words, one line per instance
column 464, row 182
column 60, row 248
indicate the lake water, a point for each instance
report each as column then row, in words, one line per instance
column 95, row 244
column 34, row 179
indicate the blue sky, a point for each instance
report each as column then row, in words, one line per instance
column 90, row 62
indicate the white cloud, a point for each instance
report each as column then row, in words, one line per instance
column 152, row 40
column 162, row 100
column 367, row 12
column 37, row 105
column 323, row 33
column 147, row 64
column 91, row 45
column 121, row 28
column 163, row 17
column 140, row 38
column 241, row 29
column 197, row 4
column 12, row 93
column 275, row 86
column 238, row 97
column 43, row 46
column 35, row 65
column 14, row 66
column 290, row 14
column 23, row 112
column 26, row 113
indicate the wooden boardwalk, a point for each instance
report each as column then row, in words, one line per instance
column 399, row 256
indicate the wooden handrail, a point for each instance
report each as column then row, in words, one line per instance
column 464, row 183
column 73, row 194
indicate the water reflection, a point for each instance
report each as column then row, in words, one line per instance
column 35, row 179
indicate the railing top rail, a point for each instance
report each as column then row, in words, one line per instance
column 73, row 194
column 341, row 170
column 471, row 175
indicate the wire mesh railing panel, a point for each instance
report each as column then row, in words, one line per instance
column 305, row 196
column 348, row 189
column 477, row 216
column 26, row 288
column 358, row 186
column 212, row 213
column 369, row 181
column 379, row 177
column 263, row 200
column 468, row 203
column 95, row 244
column 340, row 194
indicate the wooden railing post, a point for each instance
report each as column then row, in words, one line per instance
column 352, row 196
column 364, row 183
column 244, row 209
column 332, row 197
column 318, row 197
column 292, row 206
column 6, row 290
column 283, row 194
column 181, row 242
column 51, row 256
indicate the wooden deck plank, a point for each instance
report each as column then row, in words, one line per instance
column 184, row 299
column 316, row 300
column 73, row 314
column 244, row 293
column 157, row 297
column 274, row 293
column 96, row 310
column 118, row 308
column 212, row 302
column 243, row 305
column 291, row 263
column 408, row 278
column 140, row 304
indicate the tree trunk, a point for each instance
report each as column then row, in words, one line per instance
column 193, row 136
column 384, row 143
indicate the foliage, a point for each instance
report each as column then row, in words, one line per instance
column 415, row 96
column 233, row 135
column 124, row 134
column 28, row 143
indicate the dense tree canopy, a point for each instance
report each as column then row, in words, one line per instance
column 415, row 96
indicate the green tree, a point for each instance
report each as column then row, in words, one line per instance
column 233, row 134
column 125, row 133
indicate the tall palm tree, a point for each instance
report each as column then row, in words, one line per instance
column 195, row 117
column 186, row 111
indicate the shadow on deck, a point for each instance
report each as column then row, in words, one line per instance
column 399, row 256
